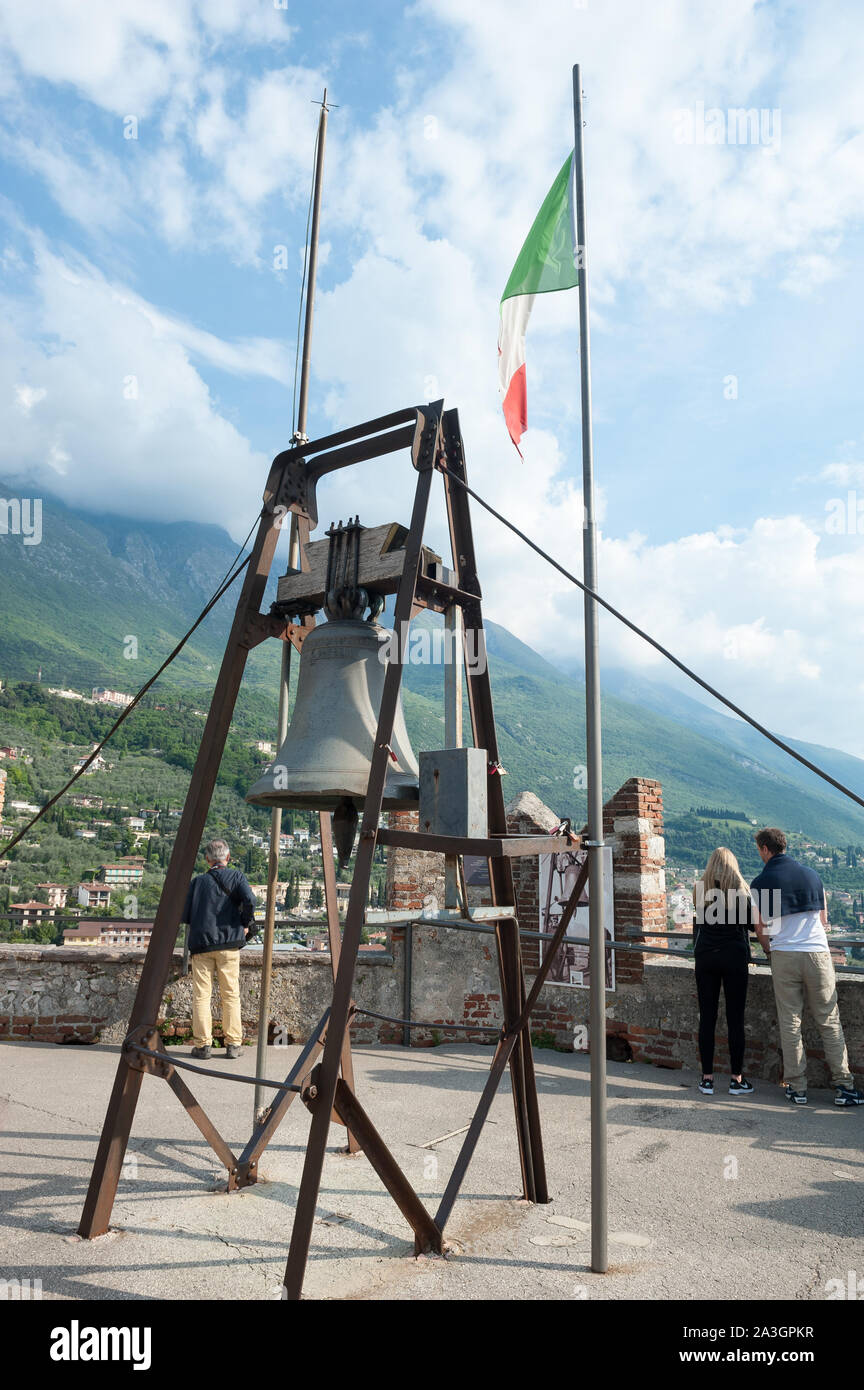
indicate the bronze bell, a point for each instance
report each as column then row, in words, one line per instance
column 324, row 761
column 327, row 753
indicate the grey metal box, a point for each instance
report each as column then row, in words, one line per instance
column 453, row 793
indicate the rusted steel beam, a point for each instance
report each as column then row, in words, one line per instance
column 262, row 626
column 502, row 1056
column 558, row 936
column 330, row 441
column 203, row 1121
column 509, row 968
column 331, row 899
column 439, row 596
column 105, row 1176
column 426, row 1232
column 263, row 1132
column 297, row 491
column 423, row 453
column 526, row 1108
column 497, row 847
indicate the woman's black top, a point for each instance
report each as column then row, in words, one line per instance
column 723, row 920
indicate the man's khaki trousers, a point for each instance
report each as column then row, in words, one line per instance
column 800, row 975
column 225, row 966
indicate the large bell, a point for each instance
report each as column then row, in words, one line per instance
column 325, row 759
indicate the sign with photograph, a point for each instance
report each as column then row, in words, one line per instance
column 558, row 874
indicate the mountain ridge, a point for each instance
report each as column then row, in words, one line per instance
column 69, row 605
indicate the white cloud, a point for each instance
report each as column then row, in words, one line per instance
column 126, row 56
column 114, row 416
column 765, row 614
column 843, row 474
column 428, row 200
column 28, row 396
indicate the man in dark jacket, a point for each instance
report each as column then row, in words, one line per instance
column 791, row 921
column 216, row 905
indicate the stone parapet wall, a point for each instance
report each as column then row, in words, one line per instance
column 658, row 1022
column 78, row 995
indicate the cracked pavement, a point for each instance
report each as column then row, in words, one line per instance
column 710, row 1197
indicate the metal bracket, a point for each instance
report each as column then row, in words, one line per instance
column 147, row 1036
column 423, row 450
column 305, row 464
column 245, row 1175
column 260, row 626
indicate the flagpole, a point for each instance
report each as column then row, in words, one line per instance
column 299, row 437
column 597, row 1016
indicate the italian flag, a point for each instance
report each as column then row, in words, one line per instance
column 546, row 262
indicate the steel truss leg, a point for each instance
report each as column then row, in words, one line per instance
column 351, row 1113
column 203, row 1121
column 503, row 1054
column 524, row 1083
column 157, row 964
column 331, row 899
column 301, row 1234
column 247, row 1163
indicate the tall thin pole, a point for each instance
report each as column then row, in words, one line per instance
column 313, row 269
column 294, row 563
column 261, row 1093
column 452, row 728
column 597, row 1017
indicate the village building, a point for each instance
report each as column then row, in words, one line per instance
column 129, row 869
column 85, row 934
column 98, row 764
column 94, row 895
column 55, row 894
column 101, row 696
column 130, row 934
column 29, row 914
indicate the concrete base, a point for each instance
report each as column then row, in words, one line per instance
column 709, row 1197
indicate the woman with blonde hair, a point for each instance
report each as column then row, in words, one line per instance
column 723, row 919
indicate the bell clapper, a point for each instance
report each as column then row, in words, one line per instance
column 345, row 819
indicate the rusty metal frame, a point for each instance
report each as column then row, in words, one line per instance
column 327, row 1085
column 290, row 486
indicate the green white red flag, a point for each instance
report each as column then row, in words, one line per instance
column 548, row 261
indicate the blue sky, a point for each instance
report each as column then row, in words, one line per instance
column 147, row 341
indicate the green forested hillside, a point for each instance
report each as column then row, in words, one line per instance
column 70, row 604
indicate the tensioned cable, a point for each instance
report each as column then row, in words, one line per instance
column 652, row 641
column 209, row 1071
column 223, row 588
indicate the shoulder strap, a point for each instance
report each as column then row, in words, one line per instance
column 219, row 884
column 229, row 892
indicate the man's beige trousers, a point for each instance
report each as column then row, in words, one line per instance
column 800, row 975
column 225, row 966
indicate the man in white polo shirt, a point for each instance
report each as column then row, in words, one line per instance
column 791, row 921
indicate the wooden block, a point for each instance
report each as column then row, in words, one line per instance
column 382, row 559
